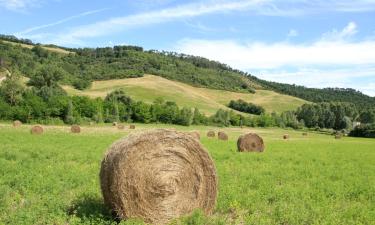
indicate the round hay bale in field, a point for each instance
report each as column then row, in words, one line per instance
column 75, row 129
column 211, row 133
column 304, row 134
column 17, row 123
column 195, row 134
column 222, row 136
column 286, row 136
column 114, row 124
column 338, row 136
column 121, row 127
column 37, row 130
column 157, row 176
column 132, row 126
column 250, row 142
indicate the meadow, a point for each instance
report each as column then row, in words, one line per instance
column 315, row 179
column 207, row 100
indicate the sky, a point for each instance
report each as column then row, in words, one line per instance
column 315, row 43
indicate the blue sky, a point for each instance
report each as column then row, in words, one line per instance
column 314, row 43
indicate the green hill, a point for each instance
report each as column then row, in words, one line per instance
column 80, row 67
column 150, row 87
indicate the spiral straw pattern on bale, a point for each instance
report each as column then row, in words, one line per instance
column 157, row 176
column 17, row 123
column 75, row 129
column 222, row 136
column 211, row 133
column 37, row 129
column 250, row 142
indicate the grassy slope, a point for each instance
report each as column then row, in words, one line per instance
column 53, row 178
column 149, row 87
column 57, row 50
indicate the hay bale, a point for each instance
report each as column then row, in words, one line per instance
column 157, row 176
column 121, row 127
column 75, row 129
column 222, row 136
column 195, row 134
column 338, row 136
column 286, row 136
column 211, row 133
column 304, row 134
column 132, row 126
column 114, row 124
column 37, row 130
column 250, row 142
column 17, row 123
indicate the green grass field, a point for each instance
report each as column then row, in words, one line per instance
column 53, row 178
column 207, row 100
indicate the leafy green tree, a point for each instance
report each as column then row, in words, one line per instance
column 69, row 118
column 11, row 88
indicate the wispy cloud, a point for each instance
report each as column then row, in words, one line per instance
column 19, row 5
column 327, row 61
column 346, row 32
column 205, row 7
column 117, row 24
column 33, row 29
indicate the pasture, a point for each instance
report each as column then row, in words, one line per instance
column 53, row 178
column 207, row 100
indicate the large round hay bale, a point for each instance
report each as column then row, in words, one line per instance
column 132, row 126
column 121, row 127
column 75, row 129
column 114, row 124
column 250, row 143
column 222, row 136
column 195, row 134
column 37, row 129
column 157, row 176
column 304, row 134
column 211, row 133
column 286, row 136
column 17, row 123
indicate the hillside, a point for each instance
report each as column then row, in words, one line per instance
column 88, row 65
column 150, row 87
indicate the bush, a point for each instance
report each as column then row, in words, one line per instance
column 366, row 130
column 247, row 107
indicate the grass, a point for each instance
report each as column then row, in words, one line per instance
column 57, row 50
column 207, row 100
column 53, row 178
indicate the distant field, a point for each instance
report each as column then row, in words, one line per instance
column 53, row 178
column 149, row 87
column 58, row 50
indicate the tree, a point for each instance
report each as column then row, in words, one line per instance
column 11, row 88
column 69, row 118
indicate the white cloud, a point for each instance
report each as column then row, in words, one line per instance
column 259, row 55
column 117, row 24
column 325, row 62
column 18, row 5
column 346, row 32
column 292, row 33
column 205, row 7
